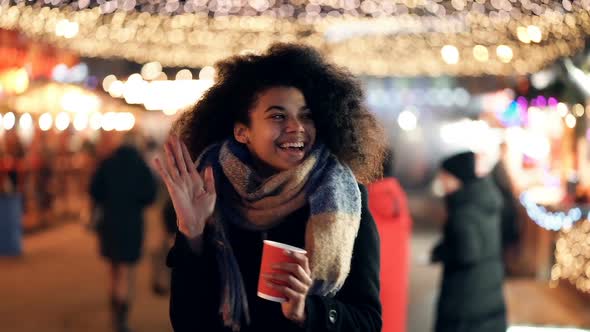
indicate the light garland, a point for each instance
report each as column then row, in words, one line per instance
column 372, row 37
column 553, row 221
column 25, row 123
column 572, row 256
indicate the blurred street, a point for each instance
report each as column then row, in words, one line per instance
column 76, row 300
column 60, row 284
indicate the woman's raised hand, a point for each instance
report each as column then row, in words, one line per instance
column 193, row 195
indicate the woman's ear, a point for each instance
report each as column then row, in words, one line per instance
column 241, row 133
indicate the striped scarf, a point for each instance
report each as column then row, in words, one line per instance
column 251, row 202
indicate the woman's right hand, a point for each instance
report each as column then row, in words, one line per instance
column 192, row 194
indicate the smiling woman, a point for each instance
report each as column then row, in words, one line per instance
column 281, row 131
column 281, row 141
column 333, row 96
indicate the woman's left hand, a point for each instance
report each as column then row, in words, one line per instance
column 295, row 281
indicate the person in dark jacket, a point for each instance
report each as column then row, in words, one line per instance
column 121, row 188
column 280, row 140
column 471, row 297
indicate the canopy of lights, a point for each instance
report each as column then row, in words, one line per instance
column 370, row 37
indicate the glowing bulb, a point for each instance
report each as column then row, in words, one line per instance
column 480, row 53
column 504, row 53
column 184, row 74
column 450, row 54
column 578, row 110
column 123, row 121
column 72, row 30
column 80, row 121
column 207, row 73
column 570, row 121
column 96, row 121
column 25, row 122
column 106, row 83
column 135, row 78
column 169, row 111
column 9, row 121
column 151, row 70
column 45, row 121
column 109, row 121
column 523, row 35
column 534, row 33
column 116, row 89
column 407, row 120
column 562, row 109
column 62, row 121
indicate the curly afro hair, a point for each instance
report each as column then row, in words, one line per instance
column 334, row 96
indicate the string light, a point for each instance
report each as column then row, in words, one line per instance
column 504, row 53
column 80, row 121
column 578, row 110
column 553, row 221
column 562, row 109
column 412, row 32
column 25, row 122
column 450, row 54
column 95, row 121
column 45, row 121
column 570, row 121
column 572, row 256
column 407, row 120
column 9, row 121
column 107, row 81
column 480, row 53
column 62, row 121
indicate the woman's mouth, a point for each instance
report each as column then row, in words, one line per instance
column 293, row 146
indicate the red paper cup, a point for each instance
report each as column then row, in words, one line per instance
column 273, row 253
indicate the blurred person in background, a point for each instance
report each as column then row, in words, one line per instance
column 471, row 297
column 388, row 204
column 510, row 216
column 122, row 187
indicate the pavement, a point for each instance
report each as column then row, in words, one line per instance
column 59, row 284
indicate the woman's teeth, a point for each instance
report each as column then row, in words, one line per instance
column 299, row 145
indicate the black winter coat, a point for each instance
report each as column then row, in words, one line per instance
column 122, row 187
column 195, row 290
column 471, row 298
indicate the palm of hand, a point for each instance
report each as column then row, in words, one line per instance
column 193, row 195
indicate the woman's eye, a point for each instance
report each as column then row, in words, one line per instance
column 278, row 116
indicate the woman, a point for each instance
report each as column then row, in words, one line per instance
column 471, row 297
column 281, row 140
column 121, row 188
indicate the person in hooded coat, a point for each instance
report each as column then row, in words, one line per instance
column 471, row 297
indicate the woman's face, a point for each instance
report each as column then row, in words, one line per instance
column 281, row 131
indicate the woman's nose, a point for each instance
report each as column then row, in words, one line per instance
column 295, row 125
